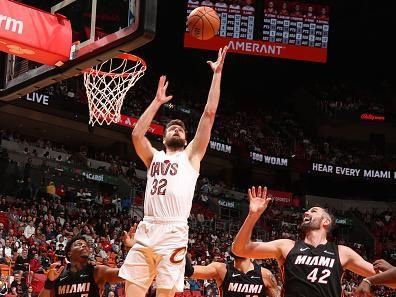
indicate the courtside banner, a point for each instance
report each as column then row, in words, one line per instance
column 34, row 34
column 366, row 173
column 269, row 160
column 258, row 48
column 130, row 122
column 220, row 147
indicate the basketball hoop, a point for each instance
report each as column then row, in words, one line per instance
column 106, row 85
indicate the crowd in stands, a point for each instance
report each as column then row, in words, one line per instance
column 346, row 100
column 34, row 230
column 383, row 226
column 48, row 150
column 270, row 130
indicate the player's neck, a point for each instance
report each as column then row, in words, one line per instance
column 77, row 266
column 172, row 151
column 315, row 237
column 243, row 266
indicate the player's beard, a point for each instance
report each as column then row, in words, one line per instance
column 314, row 224
column 175, row 143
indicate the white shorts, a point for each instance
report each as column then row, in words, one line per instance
column 159, row 252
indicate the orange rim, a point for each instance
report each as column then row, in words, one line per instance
column 123, row 56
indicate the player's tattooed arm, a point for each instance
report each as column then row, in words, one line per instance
column 272, row 288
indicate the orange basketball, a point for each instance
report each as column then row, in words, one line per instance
column 203, row 23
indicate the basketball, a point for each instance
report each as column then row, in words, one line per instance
column 203, row 23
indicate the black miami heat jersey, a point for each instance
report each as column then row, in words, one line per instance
column 239, row 284
column 312, row 272
column 77, row 284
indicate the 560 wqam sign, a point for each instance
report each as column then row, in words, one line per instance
column 270, row 160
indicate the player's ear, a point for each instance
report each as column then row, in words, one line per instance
column 326, row 222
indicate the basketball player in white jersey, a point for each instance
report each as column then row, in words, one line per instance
column 161, row 238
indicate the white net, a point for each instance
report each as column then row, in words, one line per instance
column 106, row 85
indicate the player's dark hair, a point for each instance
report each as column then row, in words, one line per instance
column 70, row 243
column 332, row 220
column 175, row 122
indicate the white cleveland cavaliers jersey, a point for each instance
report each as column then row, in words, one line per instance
column 171, row 181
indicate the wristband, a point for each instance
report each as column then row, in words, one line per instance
column 367, row 281
column 48, row 284
column 189, row 269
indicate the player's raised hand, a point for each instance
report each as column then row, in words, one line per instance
column 381, row 265
column 128, row 238
column 217, row 66
column 55, row 271
column 258, row 200
column 161, row 96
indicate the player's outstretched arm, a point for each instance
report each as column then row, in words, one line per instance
column 104, row 274
column 142, row 145
column 243, row 246
column 212, row 271
column 270, row 282
column 198, row 145
column 354, row 262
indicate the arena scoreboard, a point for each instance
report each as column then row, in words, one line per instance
column 290, row 30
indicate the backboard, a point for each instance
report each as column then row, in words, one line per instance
column 101, row 29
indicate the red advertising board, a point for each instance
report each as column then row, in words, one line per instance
column 280, row 197
column 259, row 48
column 34, row 34
column 128, row 121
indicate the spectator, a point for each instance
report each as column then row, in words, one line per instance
column 60, row 191
column 27, row 169
column 22, row 261
column 3, row 203
column 51, row 189
column 8, row 252
column 19, row 284
column 35, row 264
column 3, row 286
column 29, row 230
column 30, row 292
column 194, row 285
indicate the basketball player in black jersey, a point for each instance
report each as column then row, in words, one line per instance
column 311, row 267
column 79, row 278
column 241, row 278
